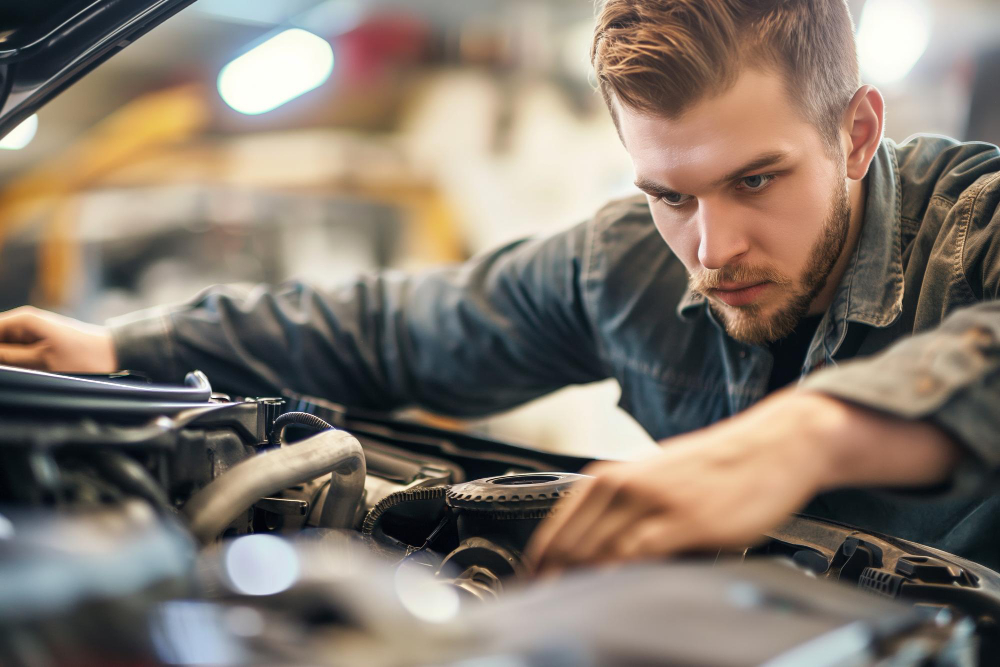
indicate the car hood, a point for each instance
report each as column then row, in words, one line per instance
column 46, row 45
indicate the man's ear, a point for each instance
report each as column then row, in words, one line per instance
column 861, row 130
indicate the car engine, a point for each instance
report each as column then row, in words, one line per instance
column 151, row 524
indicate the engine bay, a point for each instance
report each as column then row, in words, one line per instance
column 151, row 524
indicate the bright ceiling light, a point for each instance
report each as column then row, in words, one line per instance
column 892, row 35
column 21, row 135
column 279, row 70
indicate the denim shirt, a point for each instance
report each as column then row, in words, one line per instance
column 913, row 331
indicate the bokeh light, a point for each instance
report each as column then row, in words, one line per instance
column 892, row 35
column 261, row 565
column 282, row 68
column 424, row 596
column 21, row 135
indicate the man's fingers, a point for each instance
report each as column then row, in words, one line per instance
column 557, row 537
column 541, row 540
column 25, row 356
column 603, row 537
column 656, row 537
column 21, row 325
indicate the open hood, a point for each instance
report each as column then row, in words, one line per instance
column 46, row 45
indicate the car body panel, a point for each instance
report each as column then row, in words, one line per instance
column 46, row 46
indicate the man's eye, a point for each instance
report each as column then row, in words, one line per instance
column 674, row 199
column 755, row 183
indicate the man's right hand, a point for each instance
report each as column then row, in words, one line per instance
column 41, row 340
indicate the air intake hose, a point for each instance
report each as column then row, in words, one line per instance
column 214, row 507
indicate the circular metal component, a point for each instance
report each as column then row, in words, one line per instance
column 522, row 496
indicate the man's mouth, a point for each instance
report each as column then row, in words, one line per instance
column 739, row 294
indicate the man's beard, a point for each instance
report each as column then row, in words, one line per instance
column 747, row 324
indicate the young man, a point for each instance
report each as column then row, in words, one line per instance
column 795, row 238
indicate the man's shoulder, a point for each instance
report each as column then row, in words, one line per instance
column 633, row 205
column 622, row 237
column 630, row 267
column 934, row 168
column 622, row 224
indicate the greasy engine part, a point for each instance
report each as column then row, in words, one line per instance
column 215, row 506
column 389, row 470
column 482, row 526
column 74, row 442
column 407, row 521
column 890, row 567
column 329, row 502
column 495, row 517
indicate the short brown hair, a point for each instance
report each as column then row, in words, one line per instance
column 663, row 56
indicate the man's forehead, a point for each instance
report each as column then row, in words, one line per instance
column 716, row 135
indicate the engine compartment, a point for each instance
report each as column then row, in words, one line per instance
column 296, row 530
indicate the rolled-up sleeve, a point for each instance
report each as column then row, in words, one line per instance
column 950, row 375
column 501, row 329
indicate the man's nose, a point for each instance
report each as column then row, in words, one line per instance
column 723, row 238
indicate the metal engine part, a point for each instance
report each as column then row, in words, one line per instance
column 495, row 517
column 330, row 451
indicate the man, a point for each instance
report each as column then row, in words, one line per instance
column 796, row 238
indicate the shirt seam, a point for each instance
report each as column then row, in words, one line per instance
column 940, row 197
column 896, row 270
column 589, row 297
column 964, row 231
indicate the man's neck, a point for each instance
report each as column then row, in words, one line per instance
column 856, row 194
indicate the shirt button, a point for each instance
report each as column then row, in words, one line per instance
column 743, row 353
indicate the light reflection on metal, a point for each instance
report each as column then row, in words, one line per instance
column 189, row 632
column 277, row 71
column 261, row 565
column 424, row 596
column 892, row 35
column 21, row 135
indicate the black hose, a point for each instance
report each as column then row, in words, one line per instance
column 381, row 507
column 297, row 418
column 133, row 479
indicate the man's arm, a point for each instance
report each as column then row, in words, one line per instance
column 725, row 485
column 496, row 331
column 922, row 413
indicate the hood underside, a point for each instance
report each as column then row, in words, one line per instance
column 46, row 45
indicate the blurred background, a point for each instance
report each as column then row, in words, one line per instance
column 411, row 134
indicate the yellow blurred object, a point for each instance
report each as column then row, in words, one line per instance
column 321, row 163
column 434, row 234
column 59, row 255
column 45, row 192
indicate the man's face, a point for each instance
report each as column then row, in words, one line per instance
column 746, row 194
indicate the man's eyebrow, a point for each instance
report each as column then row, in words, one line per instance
column 653, row 188
column 759, row 162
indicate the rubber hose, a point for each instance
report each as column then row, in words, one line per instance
column 299, row 418
column 229, row 495
column 381, row 507
column 133, row 479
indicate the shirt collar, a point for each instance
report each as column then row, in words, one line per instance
column 871, row 290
